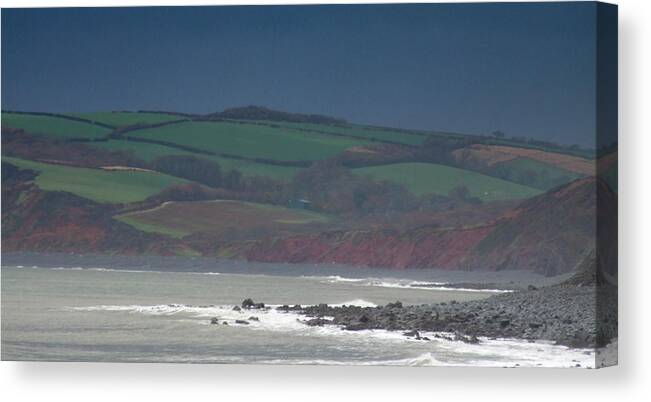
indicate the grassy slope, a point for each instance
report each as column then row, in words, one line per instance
column 429, row 178
column 149, row 152
column 249, row 140
column 97, row 185
column 119, row 119
column 52, row 126
column 548, row 176
column 179, row 219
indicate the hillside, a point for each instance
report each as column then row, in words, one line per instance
column 261, row 142
column 549, row 234
column 56, row 221
column 264, row 185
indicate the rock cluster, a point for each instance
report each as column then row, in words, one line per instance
column 564, row 314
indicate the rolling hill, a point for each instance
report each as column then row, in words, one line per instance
column 249, row 140
column 391, row 193
column 430, row 178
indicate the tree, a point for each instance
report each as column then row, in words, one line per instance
column 189, row 167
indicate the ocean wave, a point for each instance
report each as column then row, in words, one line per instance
column 399, row 284
column 425, row 359
column 505, row 353
column 444, row 351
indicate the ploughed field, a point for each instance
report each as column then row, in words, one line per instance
column 180, row 219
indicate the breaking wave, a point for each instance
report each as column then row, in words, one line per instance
column 398, row 283
column 443, row 350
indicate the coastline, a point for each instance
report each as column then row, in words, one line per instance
column 565, row 314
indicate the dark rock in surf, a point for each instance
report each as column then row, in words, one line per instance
column 472, row 339
column 396, row 304
column 317, row 322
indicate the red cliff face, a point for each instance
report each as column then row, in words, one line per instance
column 35, row 220
column 549, row 234
column 421, row 248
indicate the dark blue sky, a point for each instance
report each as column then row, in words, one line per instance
column 526, row 69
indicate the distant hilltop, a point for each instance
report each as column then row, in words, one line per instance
column 262, row 113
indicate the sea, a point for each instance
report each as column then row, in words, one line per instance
column 112, row 310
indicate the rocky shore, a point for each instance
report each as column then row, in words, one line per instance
column 563, row 314
column 568, row 314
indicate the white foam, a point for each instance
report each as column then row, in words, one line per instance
column 356, row 302
column 399, row 284
column 444, row 352
column 426, row 359
column 504, row 357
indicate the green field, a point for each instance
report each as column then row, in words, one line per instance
column 52, row 126
column 97, row 185
column 120, row 119
column 429, row 178
column 179, row 219
column 252, row 141
column 149, row 152
column 533, row 173
column 402, row 137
